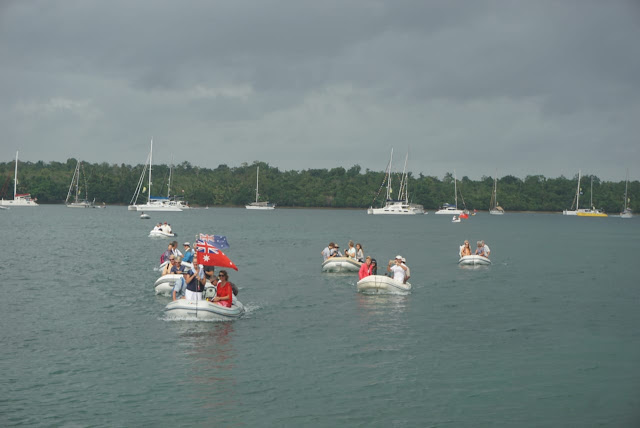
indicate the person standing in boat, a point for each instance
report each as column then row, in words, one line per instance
column 174, row 249
column 188, row 253
column 407, row 273
column 365, row 269
column 194, row 289
column 397, row 268
column 166, row 256
column 359, row 253
column 224, row 294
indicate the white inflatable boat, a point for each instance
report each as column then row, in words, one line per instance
column 341, row 264
column 474, row 260
column 381, row 284
column 156, row 233
column 203, row 310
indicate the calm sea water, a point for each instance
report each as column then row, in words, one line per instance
column 547, row 336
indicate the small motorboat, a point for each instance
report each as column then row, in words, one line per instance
column 341, row 264
column 474, row 260
column 145, row 216
column 157, row 233
column 464, row 215
column 455, row 219
column 203, row 310
column 381, row 284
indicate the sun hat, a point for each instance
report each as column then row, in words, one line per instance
column 187, row 244
column 399, row 257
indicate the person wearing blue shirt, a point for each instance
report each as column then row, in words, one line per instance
column 188, row 253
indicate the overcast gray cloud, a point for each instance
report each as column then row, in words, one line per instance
column 542, row 87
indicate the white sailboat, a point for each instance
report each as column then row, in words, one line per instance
column 19, row 200
column 400, row 206
column 154, row 203
column 448, row 208
column 576, row 200
column 626, row 212
column 494, row 208
column 259, row 205
column 74, row 187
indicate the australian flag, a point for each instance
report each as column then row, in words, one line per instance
column 219, row 241
column 209, row 255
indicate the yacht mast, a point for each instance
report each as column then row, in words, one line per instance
column 150, row 160
column 455, row 187
column 578, row 192
column 257, row 178
column 15, row 178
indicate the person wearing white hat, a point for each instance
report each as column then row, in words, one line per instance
column 188, row 253
column 397, row 268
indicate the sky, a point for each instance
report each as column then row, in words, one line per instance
column 513, row 87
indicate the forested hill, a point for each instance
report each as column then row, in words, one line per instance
column 334, row 188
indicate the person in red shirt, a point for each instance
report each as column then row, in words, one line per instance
column 224, row 294
column 365, row 269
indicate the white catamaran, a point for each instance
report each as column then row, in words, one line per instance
column 19, row 200
column 75, row 201
column 154, row 203
column 259, row 205
column 400, row 206
column 494, row 208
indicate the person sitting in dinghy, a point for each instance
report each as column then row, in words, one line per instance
column 465, row 250
column 365, row 269
column 336, row 251
column 169, row 267
column 480, row 249
column 224, row 294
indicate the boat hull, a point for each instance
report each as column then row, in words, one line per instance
column 340, row 264
column 267, row 207
column 203, row 310
column 449, row 211
column 474, row 260
column 160, row 234
column 378, row 284
column 164, row 284
column 591, row 213
column 496, row 212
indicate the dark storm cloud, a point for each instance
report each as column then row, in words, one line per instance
column 525, row 87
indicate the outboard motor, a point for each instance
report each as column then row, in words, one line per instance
column 209, row 291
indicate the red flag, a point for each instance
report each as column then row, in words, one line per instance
column 208, row 255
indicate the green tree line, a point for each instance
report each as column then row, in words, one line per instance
column 330, row 188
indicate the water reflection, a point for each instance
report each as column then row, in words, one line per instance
column 211, row 354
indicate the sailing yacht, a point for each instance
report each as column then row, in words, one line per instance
column 626, row 212
column 448, row 208
column 259, row 205
column 19, row 200
column 576, row 200
column 400, row 206
column 494, row 208
column 593, row 211
column 75, row 187
column 154, row 203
